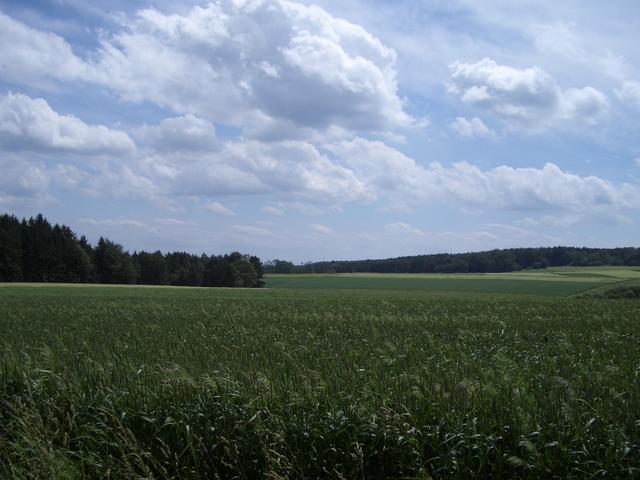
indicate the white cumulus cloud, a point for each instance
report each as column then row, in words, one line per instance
column 186, row 132
column 269, row 67
column 34, row 57
column 298, row 168
column 526, row 98
column 586, row 105
column 30, row 124
column 397, row 177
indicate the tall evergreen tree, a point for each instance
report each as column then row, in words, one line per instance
column 113, row 264
column 152, row 268
column 10, row 249
column 74, row 263
column 38, row 257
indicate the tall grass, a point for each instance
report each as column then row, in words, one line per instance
column 165, row 383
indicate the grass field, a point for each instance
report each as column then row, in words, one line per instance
column 137, row 382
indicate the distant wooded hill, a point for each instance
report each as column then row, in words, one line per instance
column 492, row 261
column 33, row 250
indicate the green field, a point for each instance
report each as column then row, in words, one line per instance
column 560, row 282
column 318, row 382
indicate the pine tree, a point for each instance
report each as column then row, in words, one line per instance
column 10, row 249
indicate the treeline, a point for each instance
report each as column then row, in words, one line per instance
column 33, row 250
column 493, row 261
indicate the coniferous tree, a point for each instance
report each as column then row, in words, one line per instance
column 10, row 249
column 113, row 264
column 36, row 251
column 78, row 263
column 38, row 258
column 259, row 269
column 152, row 268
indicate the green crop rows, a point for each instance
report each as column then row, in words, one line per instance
column 522, row 286
column 561, row 281
column 99, row 382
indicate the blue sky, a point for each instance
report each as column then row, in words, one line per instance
column 324, row 130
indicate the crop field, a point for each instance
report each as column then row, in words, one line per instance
column 371, row 381
column 560, row 282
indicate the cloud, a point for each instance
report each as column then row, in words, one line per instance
column 512, row 188
column 218, row 64
column 532, row 188
column 122, row 182
column 576, row 47
column 401, row 228
column 115, row 222
column 270, row 67
column 270, row 210
column 474, row 128
column 35, row 57
column 173, row 159
column 24, row 183
column 410, row 240
column 321, row 229
column 630, row 93
column 305, row 208
column 349, row 171
column 293, row 167
column 568, row 220
column 519, row 237
column 220, row 209
column 28, row 124
column 527, row 99
column 251, row 231
column 119, row 226
column 586, row 105
column 396, row 177
column 68, row 177
column 561, row 221
column 186, row 132
column 380, row 168
column 174, row 222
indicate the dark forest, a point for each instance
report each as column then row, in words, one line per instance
column 34, row 250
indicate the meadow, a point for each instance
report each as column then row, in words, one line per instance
column 322, row 381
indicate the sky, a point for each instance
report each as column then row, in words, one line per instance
column 317, row 130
